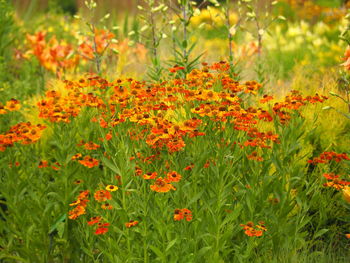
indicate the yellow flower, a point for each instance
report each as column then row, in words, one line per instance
column 346, row 193
column 111, row 188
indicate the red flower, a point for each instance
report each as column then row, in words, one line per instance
column 102, row 229
column 43, row 164
column 94, row 220
column 189, row 167
column 176, row 68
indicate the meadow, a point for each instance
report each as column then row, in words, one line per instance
column 175, row 131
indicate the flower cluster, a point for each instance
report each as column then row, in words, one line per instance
column 45, row 164
column 23, row 132
column 58, row 108
column 89, row 162
column 102, row 228
column 180, row 214
column 334, row 181
column 80, row 205
column 102, row 41
column 151, row 107
column 326, row 157
column 102, row 195
column 89, row 145
column 162, row 185
column 293, row 102
column 252, row 231
column 53, row 55
column 11, row 105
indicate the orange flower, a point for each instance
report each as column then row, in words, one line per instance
column 2, row 109
column 255, row 156
column 76, row 212
column 91, row 146
column 102, row 195
column 108, row 136
column 162, row 186
column 131, row 223
column 149, row 175
column 76, row 156
column 266, row 98
column 121, row 91
column 83, row 194
column 89, row 162
column 12, row 105
column 253, row 232
column 173, row 177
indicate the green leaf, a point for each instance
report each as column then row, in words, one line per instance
column 110, row 165
column 157, row 252
column 171, row 244
column 56, row 224
column 232, row 216
column 203, row 250
column 321, row 232
column 126, row 25
column 13, row 257
column 60, row 229
column 184, row 44
column 87, row 252
column 195, row 198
